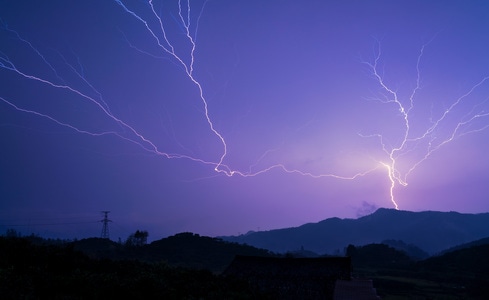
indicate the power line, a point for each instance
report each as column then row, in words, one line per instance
column 45, row 224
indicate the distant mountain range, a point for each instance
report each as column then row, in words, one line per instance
column 430, row 231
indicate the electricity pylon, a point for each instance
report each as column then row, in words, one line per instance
column 105, row 227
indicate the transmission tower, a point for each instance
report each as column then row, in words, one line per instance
column 105, row 227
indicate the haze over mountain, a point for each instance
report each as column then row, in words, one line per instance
column 430, row 231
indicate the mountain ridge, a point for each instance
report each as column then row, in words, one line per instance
column 431, row 231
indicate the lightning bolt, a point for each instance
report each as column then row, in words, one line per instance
column 185, row 59
column 167, row 46
column 157, row 29
column 409, row 140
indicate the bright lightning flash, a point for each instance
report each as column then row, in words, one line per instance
column 410, row 141
column 157, row 29
column 185, row 59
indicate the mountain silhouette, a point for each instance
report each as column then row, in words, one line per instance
column 484, row 241
column 430, row 231
column 185, row 249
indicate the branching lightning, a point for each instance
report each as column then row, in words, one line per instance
column 394, row 151
column 159, row 35
column 409, row 140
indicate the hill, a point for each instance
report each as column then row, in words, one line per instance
column 460, row 274
column 484, row 241
column 429, row 231
column 181, row 250
column 45, row 270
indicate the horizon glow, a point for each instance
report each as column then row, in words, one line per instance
column 184, row 98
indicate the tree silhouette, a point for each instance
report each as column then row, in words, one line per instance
column 137, row 239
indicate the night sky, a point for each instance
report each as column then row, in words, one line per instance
column 220, row 117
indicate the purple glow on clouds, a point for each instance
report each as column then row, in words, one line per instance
column 294, row 91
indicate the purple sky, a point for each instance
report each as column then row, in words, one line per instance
column 100, row 109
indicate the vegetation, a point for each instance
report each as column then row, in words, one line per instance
column 188, row 266
column 29, row 271
column 461, row 274
column 137, row 239
column 181, row 250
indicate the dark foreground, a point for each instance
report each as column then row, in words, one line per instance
column 37, row 270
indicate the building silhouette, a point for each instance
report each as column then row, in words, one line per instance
column 301, row 278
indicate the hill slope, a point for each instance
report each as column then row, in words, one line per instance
column 430, row 231
column 484, row 241
column 182, row 250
